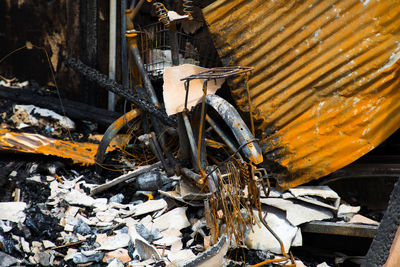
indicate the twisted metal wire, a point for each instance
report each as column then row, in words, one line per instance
column 162, row 13
column 188, row 8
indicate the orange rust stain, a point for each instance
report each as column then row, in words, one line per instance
column 120, row 140
column 214, row 144
column 256, row 159
column 325, row 85
column 121, row 121
column 82, row 153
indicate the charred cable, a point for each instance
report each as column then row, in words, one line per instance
column 112, row 86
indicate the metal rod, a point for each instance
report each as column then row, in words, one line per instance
column 210, row 221
column 285, row 255
column 146, row 80
column 200, row 137
column 112, row 50
column 132, row 5
column 191, row 175
column 192, row 141
column 173, row 42
column 212, row 180
column 184, row 147
column 186, row 92
column 221, row 134
column 124, row 49
column 123, row 178
column 136, row 9
column 157, row 147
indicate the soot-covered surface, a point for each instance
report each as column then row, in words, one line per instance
column 380, row 247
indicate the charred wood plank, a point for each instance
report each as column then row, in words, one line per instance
column 89, row 46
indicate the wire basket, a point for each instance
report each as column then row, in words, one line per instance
column 156, row 51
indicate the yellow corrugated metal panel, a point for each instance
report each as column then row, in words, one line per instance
column 79, row 152
column 326, row 83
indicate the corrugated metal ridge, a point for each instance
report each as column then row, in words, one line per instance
column 325, row 85
column 79, row 152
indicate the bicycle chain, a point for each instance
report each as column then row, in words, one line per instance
column 102, row 80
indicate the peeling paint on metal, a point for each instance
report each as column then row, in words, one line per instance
column 239, row 129
column 394, row 57
column 325, row 87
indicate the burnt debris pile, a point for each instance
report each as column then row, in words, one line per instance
column 56, row 210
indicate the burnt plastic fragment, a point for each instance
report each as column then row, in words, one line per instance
column 147, row 234
column 80, row 258
column 82, row 228
column 153, row 181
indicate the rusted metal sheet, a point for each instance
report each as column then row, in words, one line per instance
column 78, row 152
column 325, row 88
column 337, row 228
